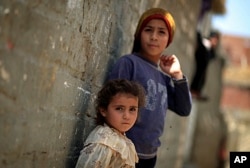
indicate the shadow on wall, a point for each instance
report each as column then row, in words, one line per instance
column 76, row 143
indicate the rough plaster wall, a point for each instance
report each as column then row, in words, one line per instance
column 58, row 61
column 54, row 56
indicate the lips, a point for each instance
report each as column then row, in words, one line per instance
column 153, row 45
column 126, row 123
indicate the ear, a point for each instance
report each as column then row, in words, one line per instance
column 102, row 111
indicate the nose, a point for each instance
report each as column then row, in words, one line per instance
column 126, row 115
column 154, row 35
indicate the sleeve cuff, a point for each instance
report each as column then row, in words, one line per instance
column 183, row 80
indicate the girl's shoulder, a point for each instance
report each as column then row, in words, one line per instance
column 127, row 57
column 104, row 135
column 133, row 59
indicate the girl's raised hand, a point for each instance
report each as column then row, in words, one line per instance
column 171, row 66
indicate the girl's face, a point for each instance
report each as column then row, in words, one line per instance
column 122, row 112
column 154, row 39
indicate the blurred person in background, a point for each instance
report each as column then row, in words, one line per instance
column 205, row 51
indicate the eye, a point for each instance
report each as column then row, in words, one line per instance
column 119, row 108
column 147, row 29
column 133, row 109
column 162, row 32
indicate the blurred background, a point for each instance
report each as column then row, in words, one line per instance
column 235, row 99
column 55, row 55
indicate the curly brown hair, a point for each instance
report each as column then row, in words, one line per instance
column 113, row 87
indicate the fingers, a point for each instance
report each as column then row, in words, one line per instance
column 170, row 65
column 168, row 59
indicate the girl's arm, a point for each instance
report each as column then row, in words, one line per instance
column 179, row 95
column 180, row 100
column 94, row 156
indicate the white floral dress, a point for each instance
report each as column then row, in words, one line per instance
column 105, row 147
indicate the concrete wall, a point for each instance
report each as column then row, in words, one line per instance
column 54, row 56
column 210, row 129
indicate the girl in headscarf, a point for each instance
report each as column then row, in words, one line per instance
column 161, row 76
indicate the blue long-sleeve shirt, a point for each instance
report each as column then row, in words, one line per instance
column 162, row 93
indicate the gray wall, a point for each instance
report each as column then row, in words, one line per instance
column 54, row 57
column 210, row 129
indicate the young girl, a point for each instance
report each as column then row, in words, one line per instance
column 117, row 107
column 166, row 88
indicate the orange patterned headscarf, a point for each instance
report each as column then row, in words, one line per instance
column 155, row 13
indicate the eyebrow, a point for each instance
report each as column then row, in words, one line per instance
column 119, row 105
